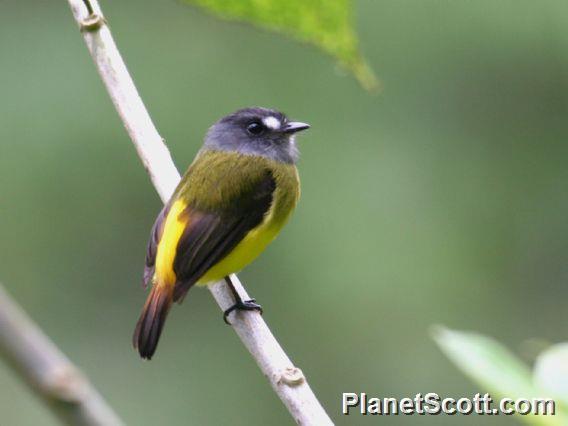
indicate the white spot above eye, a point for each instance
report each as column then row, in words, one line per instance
column 271, row 122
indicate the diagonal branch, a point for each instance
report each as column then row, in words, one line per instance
column 286, row 379
column 48, row 371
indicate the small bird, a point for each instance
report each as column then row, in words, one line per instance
column 231, row 203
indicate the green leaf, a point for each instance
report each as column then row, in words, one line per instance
column 325, row 24
column 495, row 368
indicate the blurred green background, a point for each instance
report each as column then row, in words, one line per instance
column 443, row 200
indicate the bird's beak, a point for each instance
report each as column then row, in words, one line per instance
column 295, row 126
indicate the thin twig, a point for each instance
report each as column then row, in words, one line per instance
column 48, row 371
column 286, row 380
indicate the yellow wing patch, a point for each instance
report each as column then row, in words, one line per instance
column 174, row 226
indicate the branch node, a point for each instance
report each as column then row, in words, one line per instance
column 48, row 372
column 291, row 376
column 66, row 383
column 92, row 22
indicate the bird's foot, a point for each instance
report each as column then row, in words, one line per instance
column 242, row 305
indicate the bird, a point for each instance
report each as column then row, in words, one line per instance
column 233, row 200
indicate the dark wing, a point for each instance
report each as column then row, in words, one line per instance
column 211, row 235
column 152, row 248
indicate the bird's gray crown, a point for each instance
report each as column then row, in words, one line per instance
column 256, row 131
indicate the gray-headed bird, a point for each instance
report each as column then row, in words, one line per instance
column 231, row 203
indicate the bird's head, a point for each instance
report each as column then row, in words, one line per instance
column 256, row 131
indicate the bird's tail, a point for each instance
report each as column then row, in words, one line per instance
column 152, row 319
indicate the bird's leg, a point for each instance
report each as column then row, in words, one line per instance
column 240, row 304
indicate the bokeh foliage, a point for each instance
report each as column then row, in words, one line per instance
column 504, row 375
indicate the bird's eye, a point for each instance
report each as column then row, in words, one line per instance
column 255, row 128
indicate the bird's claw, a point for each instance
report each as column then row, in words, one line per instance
column 245, row 305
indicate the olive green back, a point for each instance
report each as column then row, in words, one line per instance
column 217, row 179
